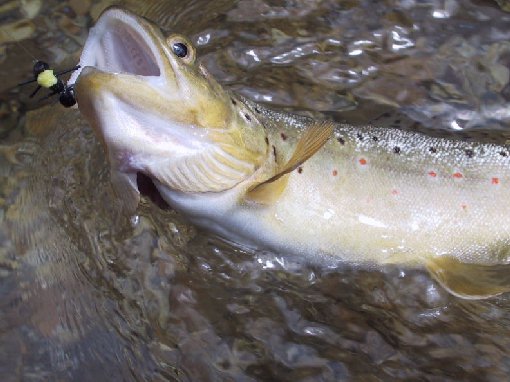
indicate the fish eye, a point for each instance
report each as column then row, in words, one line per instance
column 180, row 49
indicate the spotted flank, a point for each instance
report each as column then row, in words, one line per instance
column 424, row 157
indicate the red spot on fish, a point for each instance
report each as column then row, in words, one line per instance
column 495, row 181
column 433, row 174
column 394, row 192
column 362, row 161
column 284, row 137
column 464, row 206
column 458, row 175
column 335, row 172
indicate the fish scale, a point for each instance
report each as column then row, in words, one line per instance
column 294, row 185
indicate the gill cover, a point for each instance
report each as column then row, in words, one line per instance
column 159, row 112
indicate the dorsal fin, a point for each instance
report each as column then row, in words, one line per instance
column 310, row 142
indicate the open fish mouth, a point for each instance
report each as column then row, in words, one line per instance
column 121, row 43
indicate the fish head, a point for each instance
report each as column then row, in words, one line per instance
column 159, row 112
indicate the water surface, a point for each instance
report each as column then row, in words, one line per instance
column 87, row 295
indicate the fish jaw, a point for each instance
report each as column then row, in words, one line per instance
column 161, row 114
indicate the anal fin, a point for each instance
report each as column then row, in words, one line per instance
column 470, row 281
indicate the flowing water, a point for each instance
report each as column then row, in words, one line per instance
column 86, row 295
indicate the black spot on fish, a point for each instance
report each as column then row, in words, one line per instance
column 397, row 121
column 341, row 140
column 503, row 153
column 375, row 139
column 300, row 169
column 234, row 102
column 469, row 153
column 247, row 117
column 267, row 141
column 360, row 136
column 257, row 110
column 433, row 150
column 274, row 153
column 396, row 150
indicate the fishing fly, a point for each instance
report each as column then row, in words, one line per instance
column 46, row 78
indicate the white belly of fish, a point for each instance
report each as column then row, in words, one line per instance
column 359, row 218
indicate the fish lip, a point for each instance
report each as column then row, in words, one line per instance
column 121, row 42
column 86, row 70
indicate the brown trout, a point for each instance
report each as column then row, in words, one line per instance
column 272, row 180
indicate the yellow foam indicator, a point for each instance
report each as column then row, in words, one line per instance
column 47, row 79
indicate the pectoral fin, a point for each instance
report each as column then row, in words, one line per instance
column 310, row 142
column 267, row 192
column 470, row 281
